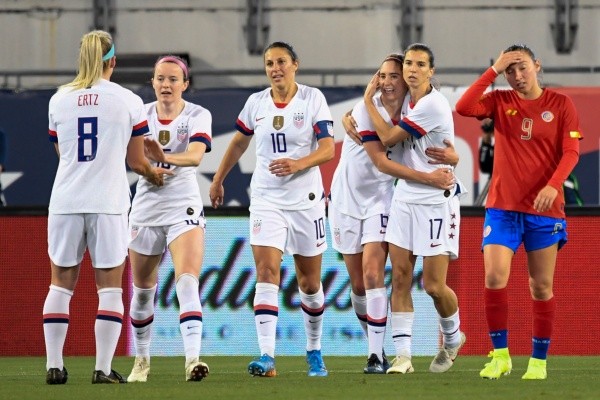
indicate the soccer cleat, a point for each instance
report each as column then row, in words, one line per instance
column 55, row 376
column 446, row 356
column 140, row 371
column 114, row 377
column 316, row 366
column 385, row 362
column 501, row 364
column 262, row 366
column 196, row 370
column 536, row 369
column 374, row 365
column 401, row 365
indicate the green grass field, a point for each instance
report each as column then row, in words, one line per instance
column 568, row 378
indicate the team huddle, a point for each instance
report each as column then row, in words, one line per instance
column 394, row 192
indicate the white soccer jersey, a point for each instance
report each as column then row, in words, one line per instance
column 93, row 127
column 358, row 188
column 430, row 123
column 179, row 198
column 288, row 132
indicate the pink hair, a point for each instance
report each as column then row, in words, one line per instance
column 175, row 60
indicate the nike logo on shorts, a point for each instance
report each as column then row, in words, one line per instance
column 435, row 245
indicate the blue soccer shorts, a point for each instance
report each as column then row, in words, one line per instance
column 511, row 228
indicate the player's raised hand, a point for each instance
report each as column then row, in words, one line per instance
column 372, row 87
column 505, row 59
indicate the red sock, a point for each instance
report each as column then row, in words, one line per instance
column 496, row 309
column 543, row 318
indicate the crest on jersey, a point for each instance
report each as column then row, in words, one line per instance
column 182, row 133
column 330, row 128
column 278, row 122
column 298, row 119
column 336, row 236
column 547, row 116
column 256, row 225
column 164, row 137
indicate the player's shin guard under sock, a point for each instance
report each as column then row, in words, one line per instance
column 56, row 324
column 377, row 319
column 450, row 327
column 313, row 306
column 266, row 312
column 359, row 304
column 141, row 313
column 496, row 314
column 402, row 323
column 190, row 315
column 109, row 320
column 543, row 322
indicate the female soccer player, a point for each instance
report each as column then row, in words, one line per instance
column 170, row 217
column 537, row 145
column 361, row 194
column 95, row 125
column 424, row 220
column 293, row 129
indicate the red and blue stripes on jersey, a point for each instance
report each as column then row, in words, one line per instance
column 203, row 138
column 140, row 128
column 369, row 136
column 413, row 129
column 52, row 136
column 240, row 126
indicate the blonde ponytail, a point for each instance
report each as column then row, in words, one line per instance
column 94, row 45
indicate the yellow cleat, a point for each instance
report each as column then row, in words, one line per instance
column 446, row 356
column 140, row 371
column 536, row 369
column 401, row 365
column 501, row 364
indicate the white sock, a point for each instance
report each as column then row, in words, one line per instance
column 190, row 315
column 377, row 302
column 359, row 304
column 109, row 320
column 266, row 313
column 313, row 306
column 141, row 313
column 56, row 324
column 402, row 323
column 450, row 327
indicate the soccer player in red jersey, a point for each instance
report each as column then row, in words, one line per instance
column 537, row 145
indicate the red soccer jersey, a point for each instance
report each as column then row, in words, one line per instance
column 536, row 143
